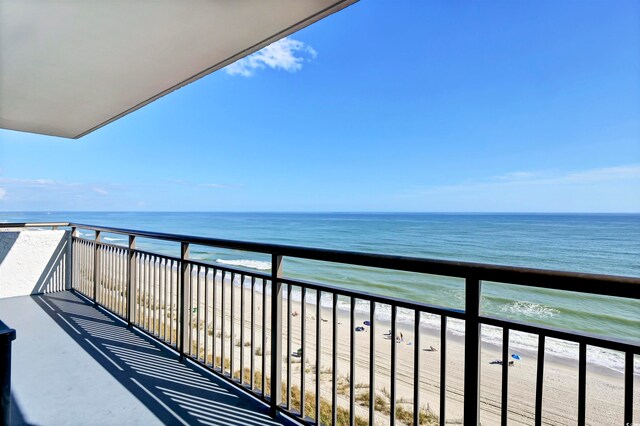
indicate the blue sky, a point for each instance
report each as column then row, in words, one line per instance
column 386, row 106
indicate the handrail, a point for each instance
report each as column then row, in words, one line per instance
column 34, row 224
column 607, row 285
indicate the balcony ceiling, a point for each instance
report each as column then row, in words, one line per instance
column 70, row 67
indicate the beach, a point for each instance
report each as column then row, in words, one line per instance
column 604, row 388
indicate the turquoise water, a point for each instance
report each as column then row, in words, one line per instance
column 606, row 244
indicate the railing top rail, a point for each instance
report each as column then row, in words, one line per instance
column 610, row 285
column 33, row 224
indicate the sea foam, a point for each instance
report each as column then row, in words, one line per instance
column 245, row 263
column 529, row 309
column 113, row 239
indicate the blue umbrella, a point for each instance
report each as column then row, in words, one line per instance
column 515, row 356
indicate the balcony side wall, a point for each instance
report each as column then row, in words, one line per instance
column 34, row 262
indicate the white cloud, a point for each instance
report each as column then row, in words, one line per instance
column 183, row 182
column 605, row 174
column 27, row 182
column 3, row 193
column 544, row 178
column 100, row 191
column 286, row 54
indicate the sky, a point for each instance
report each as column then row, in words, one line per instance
column 438, row 106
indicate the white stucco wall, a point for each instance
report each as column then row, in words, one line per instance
column 33, row 261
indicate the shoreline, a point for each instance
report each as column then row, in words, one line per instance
column 605, row 389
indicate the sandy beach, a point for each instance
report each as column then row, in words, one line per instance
column 604, row 390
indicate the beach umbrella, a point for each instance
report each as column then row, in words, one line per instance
column 367, row 323
column 515, row 356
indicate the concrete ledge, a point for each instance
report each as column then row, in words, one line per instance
column 34, row 261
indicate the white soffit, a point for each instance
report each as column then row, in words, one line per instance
column 70, row 67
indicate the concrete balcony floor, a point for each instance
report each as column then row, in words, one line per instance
column 74, row 364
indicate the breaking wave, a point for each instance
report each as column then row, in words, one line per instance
column 245, row 263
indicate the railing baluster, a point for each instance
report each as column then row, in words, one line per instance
column 119, row 285
column 264, row 338
column 372, row 364
column 156, row 297
column 184, row 256
column 130, row 281
column 242, row 278
column 276, row 332
column 303, row 360
column 135, row 289
column 167, row 297
column 72, row 257
column 505, row 376
column 334, row 362
column 92, row 265
column 232, row 345
column 111, row 279
column 76, row 259
column 252, row 358
column 392, row 402
column 96, row 267
column 124, row 264
column 222, row 323
column 150, row 262
column 79, row 275
column 83, row 269
column 352, row 363
column 628, row 387
column 443, row 369
column 107, row 278
column 416, row 368
column 582, row 383
column 118, row 280
column 472, row 352
column 289, row 348
column 318, row 353
column 539, row 379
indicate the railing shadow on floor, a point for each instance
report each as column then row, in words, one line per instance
column 176, row 392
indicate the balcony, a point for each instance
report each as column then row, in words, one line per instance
column 143, row 337
column 74, row 363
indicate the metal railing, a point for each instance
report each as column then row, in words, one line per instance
column 229, row 319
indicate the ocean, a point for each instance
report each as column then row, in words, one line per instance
column 592, row 243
